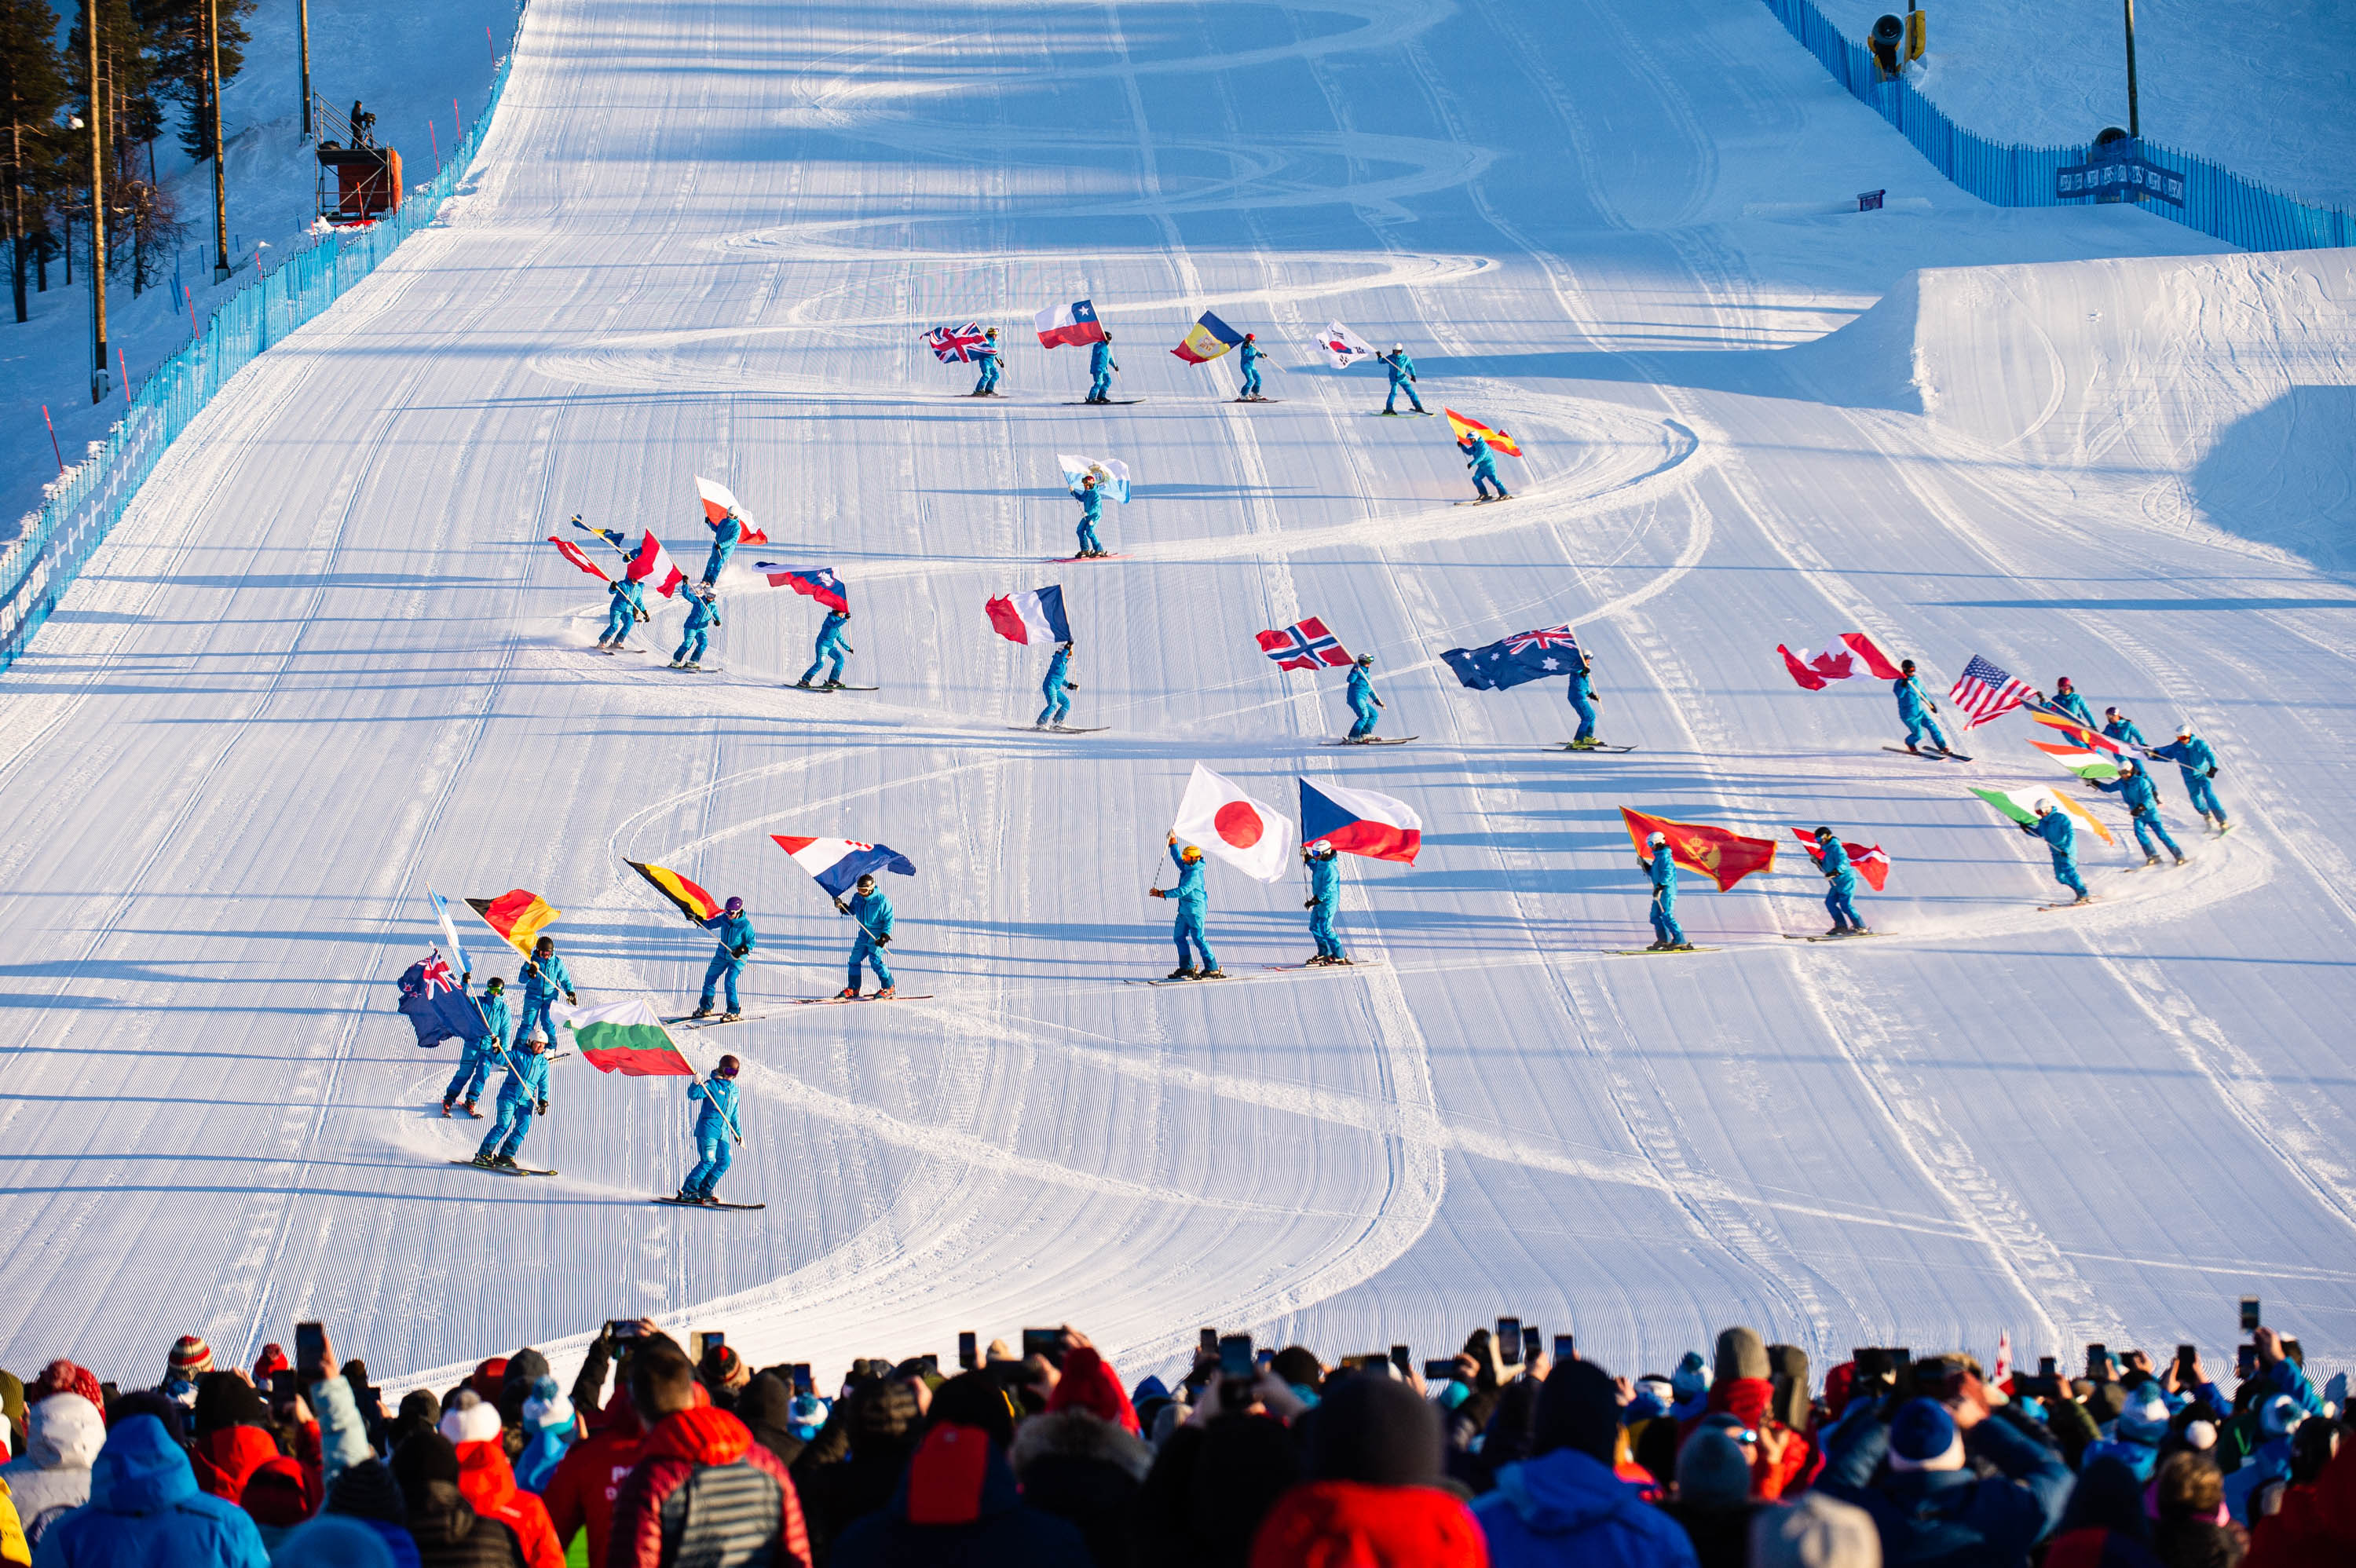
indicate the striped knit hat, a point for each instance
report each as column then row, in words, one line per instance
column 190, row 1356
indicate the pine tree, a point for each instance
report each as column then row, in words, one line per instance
column 139, row 217
column 182, row 59
column 32, row 90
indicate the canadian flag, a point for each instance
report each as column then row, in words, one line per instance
column 1820, row 670
column 653, row 565
column 718, row 502
column 1220, row 820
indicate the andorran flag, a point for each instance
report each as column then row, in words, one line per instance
column 1466, row 428
column 1206, row 340
column 518, row 916
column 626, row 1037
column 1724, row 858
column 692, row 900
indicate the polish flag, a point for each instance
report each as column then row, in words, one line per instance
column 1074, row 325
column 1034, row 617
column 1220, row 820
column 652, row 564
column 718, row 502
column 1360, row 822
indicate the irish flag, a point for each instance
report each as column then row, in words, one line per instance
column 626, row 1037
column 2021, row 805
column 518, row 915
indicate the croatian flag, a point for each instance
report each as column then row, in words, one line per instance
column 1304, row 644
column 1360, row 822
column 718, row 502
column 955, row 344
column 837, row 863
column 1034, row 617
column 817, row 582
column 653, row 564
column 1075, row 324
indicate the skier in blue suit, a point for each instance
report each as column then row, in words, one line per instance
column 1402, row 369
column 544, row 979
column 702, row 614
column 1840, row 895
column 1583, row 702
column 735, row 929
column 1324, row 897
column 1100, row 368
column 832, row 643
column 2198, row 762
column 1483, row 462
column 1667, row 935
column 1091, row 499
column 1252, row 355
column 629, row 608
column 986, row 353
column 1191, row 899
column 716, row 1123
column 1059, row 682
column 724, row 544
column 2066, row 701
column 2117, row 726
column 1910, row 706
column 872, row 908
column 1363, row 701
column 2141, row 797
column 475, row 1056
column 2060, row 836
column 523, row 1094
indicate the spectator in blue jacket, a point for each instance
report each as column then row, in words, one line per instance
column 2198, row 762
column 1565, row 1506
column 146, row 1509
column 2137, row 1432
column 1928, row 1502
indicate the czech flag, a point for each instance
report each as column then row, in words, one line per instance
column 1868, row 859
column 836, row 863
column 1360, row 822
column 1724, row 858
column 1034, row 617
column 1075, row 324
column 692, row 900
column 653, row 564
column 718, row 502
column 626, row 1037
column 518, row 915
column 1465, row 428
column 573, row 553
column 1206, row 340
column 817, row 582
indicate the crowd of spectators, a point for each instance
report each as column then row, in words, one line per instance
column 658, row 1457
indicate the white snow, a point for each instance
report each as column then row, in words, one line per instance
column 327, row 660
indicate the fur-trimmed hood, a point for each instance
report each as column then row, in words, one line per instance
column 1077, row 1435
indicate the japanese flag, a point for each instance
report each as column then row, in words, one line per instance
column 1220, row 820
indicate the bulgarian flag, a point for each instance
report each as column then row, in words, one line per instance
column 1499, row 440
column 626, row 1037
column 689, row 898
column 518, row 915
column 1724, row 858
column 2084, row 761
column 2021, row 805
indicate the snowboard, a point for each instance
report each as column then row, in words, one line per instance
column 1071, row 560
column 1651, row 952
column 1108, row 403
column 1374, row 740
column 1567, row 746
column 796, row 685
column 678, row 1204
column 1060, row 730
column 846, row 1001
column 1929, row 756
column 2074, row 903
column 493, row 1171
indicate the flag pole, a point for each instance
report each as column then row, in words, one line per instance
column 727, row 1120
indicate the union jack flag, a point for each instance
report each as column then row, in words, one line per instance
column 1306, row 644
column 436, row 974
column 954, row 345
column 1550, row 637
column 1987, row 692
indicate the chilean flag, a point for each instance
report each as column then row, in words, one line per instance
column 1075, row 324
column 1034, row 617
column 653, row 564
column 838, row 863
column 718, row 502
column 1360, row 822
column 817, row 582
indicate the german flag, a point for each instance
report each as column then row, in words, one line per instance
column 692, row 900
column 518, row 915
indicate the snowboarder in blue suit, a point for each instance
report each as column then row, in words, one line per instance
column 2198, row 762
column 1840, row 894
column 475, row 1057
column 715, row 1124
column 1100, row 369
column 545, row 978
column 702, row 614
column 1483, row 462
column 2141, row 797
column 1324, row 897
column 872, row 908
column 986, row 352
column 831, row 644
column 1191, row 899
column 1667, row 935
column 1910, row 706
column 1583, row 702
column 735, row 929
column 2117, row 726
column 1058, row 683
column 629, row 608
column 523, row 1094
column 2066, row 701
column 1363, row 701
column 2060, row 836
column 1402, row 369
column 1252, row 355
column 724, row 536
column 1091, row 499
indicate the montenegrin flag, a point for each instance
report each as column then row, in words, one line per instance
column 1206, row 340
column 2020, row 805
column 626, row 1037
column 518, row 915
column 1724, row 858
column 1465, row 428
column 718, row 502
column 685, row 896
column 653, row 564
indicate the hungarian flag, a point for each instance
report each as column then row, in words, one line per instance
column 692, row 900
column 518, row 916
column 2021, row 805
column 1206, row 340
column 836, row 864
column 718, row 502
column 1465, row 428
column 653, row 564
column 628, row 1038
column 1868, row 859
column 1724, row 858
column 1360, row 822
column 1075, row 324
column 1304, row 644
column 817, row 582
column 1818, row 670
column 1220, row 820
column 2084, row 761
column 573, row 553
column 1034, row 617
column 1344, row 345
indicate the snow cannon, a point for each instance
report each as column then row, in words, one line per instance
column 1888, row 38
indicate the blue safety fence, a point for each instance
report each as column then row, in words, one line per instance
column 2216, row 202
column 85, row 504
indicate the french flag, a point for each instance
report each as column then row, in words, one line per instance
column 652, row 564
column 1074, row 325
column 836, row 864
column 1034, row 617
column 1360, row 822
column 817, row 582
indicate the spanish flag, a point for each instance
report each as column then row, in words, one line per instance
column 1724, row 858
column 692, row 900
column 1499, row 440
column 518, row 915
column 1206, row 340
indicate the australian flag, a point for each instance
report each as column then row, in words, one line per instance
column 1510, row 661
column 435, row 1005
column 955, row 344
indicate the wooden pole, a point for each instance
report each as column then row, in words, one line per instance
column 98, row 363
column 221, row 153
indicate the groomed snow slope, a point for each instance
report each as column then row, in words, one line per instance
column 327, row 660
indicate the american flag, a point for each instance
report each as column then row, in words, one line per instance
column 954, row 345
column 1985, row 693
column 1550, row 637
column 1305, row 645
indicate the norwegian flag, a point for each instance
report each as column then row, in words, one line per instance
column 1549, row 637
column 1304, row 644
column 1987, row 692
column 955, row 344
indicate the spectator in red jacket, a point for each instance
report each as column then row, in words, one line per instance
column 1374, row 1495
column 488, row 1483
column 232, row 1432
column 580, row 1495
column 703, row 1490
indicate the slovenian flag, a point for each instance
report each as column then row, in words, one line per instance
column 1112, row 474
column 684, row 895
column 626, row 1037
column 1360, row 822
column 718, row 502
column 836, row 863
column 653, row 564
column 518, row 916
column 1075, row 324
column 1206, row 340
column 1465, row 428
column 2020, row 805
column 1034, row 617
column 817, row 582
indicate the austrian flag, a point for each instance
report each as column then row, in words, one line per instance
column 573, row 553
column 1304, row 644
column 653, row 565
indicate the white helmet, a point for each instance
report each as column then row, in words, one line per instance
column 1398, row 348
column 1658, row 837
column 1322, row 847
column 2184, row 729
column 2126, row 764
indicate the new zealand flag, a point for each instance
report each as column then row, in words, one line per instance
column 1510, row 661
column 435, row 1005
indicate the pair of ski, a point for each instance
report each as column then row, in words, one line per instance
column 1059, row 728
column 821, row 690
column 1102, row 402
column 1932, row 755
column 674, row 1203
column 1076, row 559
column 1828, row 936
column 1481, row 501
column 1372, row 741
column 1270, row 968
column 690, row 1021
column 1572, row 746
